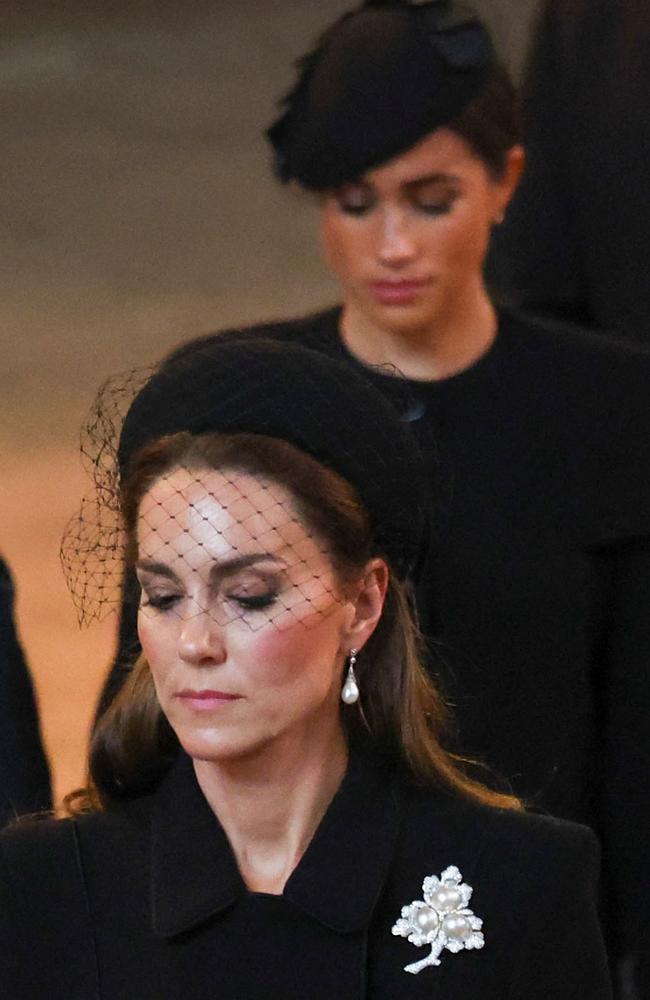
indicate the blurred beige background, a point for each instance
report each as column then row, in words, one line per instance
column 137, row 209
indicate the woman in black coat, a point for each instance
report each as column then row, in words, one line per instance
column 575, row 242
column 271, row 812
column 537, row 437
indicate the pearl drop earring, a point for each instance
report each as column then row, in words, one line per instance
column 350, row 690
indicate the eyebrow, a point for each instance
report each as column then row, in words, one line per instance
column 439, row 178
column 226, row 568
column 435, row 178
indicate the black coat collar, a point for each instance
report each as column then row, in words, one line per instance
column 195, row 876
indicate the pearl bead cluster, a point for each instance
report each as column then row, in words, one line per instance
column 442, row 919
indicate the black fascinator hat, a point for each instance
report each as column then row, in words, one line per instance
column 235, row 384
column 380, row 79
column 317, row 403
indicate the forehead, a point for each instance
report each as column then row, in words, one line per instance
column 218, row 512
column 442, row 152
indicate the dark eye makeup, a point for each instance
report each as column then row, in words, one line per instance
column 358, row 201
column 355, row 200
column 254, row 602
column 251, row 594
column 253, row 591
column 433, row 206
column 161, row 602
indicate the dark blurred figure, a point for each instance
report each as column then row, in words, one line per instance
column 576, row 241
column 24, row 772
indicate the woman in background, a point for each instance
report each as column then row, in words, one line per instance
column 575, row 243
column 24, row 771
column 271, row 813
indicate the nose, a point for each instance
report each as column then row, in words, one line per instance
column 201, row 641
column 396, row 242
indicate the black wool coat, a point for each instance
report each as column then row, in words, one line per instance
column 146, row 902
column 535, row 593
column 576, row 239
column 24, row 771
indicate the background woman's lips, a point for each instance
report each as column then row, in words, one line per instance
column 396, row 292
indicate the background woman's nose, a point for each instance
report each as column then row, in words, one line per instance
column 396, row 241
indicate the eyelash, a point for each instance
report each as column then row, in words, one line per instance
column 433, row 209
column 356, row 210
column 252, row 602
column 442, row 208
column 164, row 602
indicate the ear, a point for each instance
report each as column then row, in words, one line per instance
column 508, row 181
column 366, row 605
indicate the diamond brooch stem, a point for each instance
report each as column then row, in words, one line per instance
column 433, row 958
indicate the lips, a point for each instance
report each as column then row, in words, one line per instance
column 206, row 699
column 396, row 292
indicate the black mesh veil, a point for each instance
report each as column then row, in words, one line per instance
column 93, row 545
column 228, row 447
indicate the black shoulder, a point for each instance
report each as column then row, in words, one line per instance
column 39, row 841
column 537, row 839
column 543, row 844
column 582, row 399
column 45, row 851
column 573, row 349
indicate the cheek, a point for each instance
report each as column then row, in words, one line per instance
column 299, row 657
column 342, row 245
column 461, row 246
column 158, row 641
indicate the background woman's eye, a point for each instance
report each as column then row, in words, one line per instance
column 355, row 208
column 436, row 207
column 354, row 201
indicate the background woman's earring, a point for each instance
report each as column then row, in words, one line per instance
column 350, row 690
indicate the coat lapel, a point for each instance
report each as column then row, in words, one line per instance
column 194, row 874
column 193, row 871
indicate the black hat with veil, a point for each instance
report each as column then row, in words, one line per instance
column 239, row 385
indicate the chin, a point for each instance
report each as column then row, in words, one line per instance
column 217, row 747
column 406, row 319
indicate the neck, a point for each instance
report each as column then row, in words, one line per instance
column 271, row 802
column 462, row 333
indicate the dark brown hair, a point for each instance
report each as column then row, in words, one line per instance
column 401, row 714
column 491, row 123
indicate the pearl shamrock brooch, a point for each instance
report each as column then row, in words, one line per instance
column 442, row 919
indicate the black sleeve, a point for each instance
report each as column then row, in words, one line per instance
column 535, row 258
column 47, row 949
column 24, row 773
column 625, row 797
column 561, row 955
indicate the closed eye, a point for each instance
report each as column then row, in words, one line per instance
column 161, row 602
column 434, row 207
column 253, row 602
column 355, row 200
